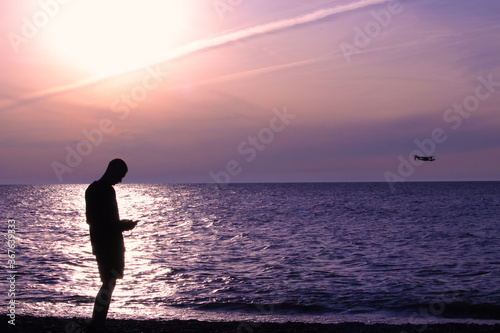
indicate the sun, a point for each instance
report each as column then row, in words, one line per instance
column 117, row 35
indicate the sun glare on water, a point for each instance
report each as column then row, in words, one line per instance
column 115, row 36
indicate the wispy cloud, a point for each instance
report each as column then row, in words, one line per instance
column 205, row 44
column 251, row 73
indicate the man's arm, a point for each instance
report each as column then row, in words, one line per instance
column 127, row 224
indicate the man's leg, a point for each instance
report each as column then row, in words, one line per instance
column 101, row 304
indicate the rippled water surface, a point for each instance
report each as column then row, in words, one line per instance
column 317, row 252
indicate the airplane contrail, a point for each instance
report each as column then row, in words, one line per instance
column 205, row 44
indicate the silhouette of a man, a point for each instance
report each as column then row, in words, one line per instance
column 106, row 237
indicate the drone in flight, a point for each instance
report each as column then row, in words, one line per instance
column 424, row 158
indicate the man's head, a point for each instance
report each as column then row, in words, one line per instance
column 117, row 169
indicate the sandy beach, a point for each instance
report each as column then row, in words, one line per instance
column 77, row 325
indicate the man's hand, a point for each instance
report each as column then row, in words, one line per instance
column 128, row 224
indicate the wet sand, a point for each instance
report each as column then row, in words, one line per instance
column 77, row 325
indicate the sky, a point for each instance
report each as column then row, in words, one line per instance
column 229, row 91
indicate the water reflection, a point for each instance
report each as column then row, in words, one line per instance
column 199, row 247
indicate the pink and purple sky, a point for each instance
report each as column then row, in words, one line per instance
column 249, row 91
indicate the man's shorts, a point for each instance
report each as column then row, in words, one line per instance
column 111, row 266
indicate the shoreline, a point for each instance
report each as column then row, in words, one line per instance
column 78, row 325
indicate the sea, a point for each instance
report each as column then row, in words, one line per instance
column 427, row 252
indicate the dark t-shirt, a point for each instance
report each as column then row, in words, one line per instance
column 101, row 210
